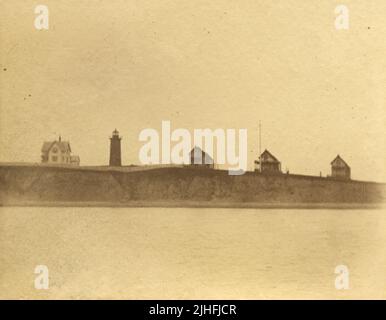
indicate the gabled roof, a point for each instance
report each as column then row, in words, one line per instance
column 64, row 146
column 337, row 159
column 197, row 151
column 270, row 155
column 47, row 146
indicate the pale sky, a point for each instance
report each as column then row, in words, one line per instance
column 213, row 64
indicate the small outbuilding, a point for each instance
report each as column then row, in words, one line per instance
column 268, row 163
column 340, row 169
column 200, row 158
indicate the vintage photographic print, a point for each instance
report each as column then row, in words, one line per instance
column 192, row 150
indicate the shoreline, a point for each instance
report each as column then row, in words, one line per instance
column 193, row 204
column 188, row 187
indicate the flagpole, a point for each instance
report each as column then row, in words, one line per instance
column 260, row 145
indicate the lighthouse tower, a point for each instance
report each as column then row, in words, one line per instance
column 115, row 149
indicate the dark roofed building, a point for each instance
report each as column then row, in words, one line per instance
column 340, row 169
column 268, row 163
column 200, row 158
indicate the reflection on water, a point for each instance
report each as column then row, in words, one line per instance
column 165, row 253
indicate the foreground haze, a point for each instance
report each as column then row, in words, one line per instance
column 191, row 253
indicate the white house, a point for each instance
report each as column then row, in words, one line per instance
column 58, row 152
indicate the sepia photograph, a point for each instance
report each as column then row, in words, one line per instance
column 192, row 150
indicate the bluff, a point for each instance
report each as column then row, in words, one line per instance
column 42, row 184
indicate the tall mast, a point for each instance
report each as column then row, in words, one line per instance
column 260, row 145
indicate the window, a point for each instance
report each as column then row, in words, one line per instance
column 55, row 150
column 54, row 158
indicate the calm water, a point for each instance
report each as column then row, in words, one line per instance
column 192, row 253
